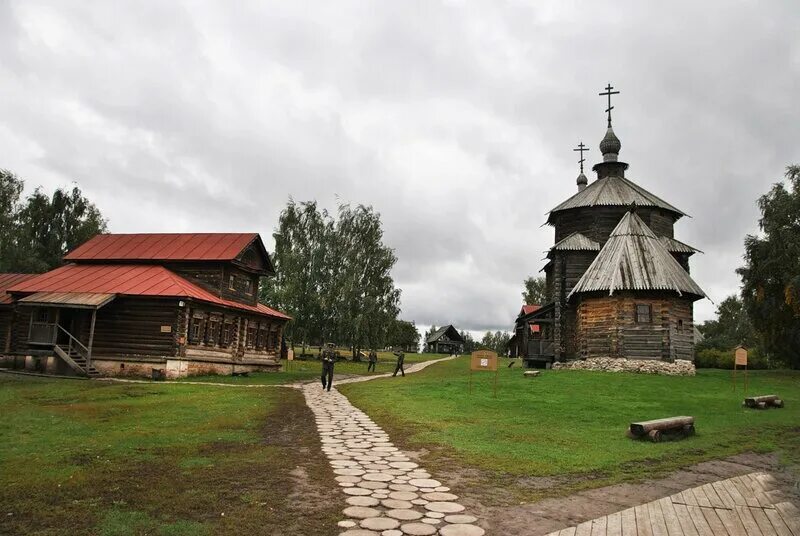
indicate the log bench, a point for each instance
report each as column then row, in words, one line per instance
column 657, row 429
column 763, row 402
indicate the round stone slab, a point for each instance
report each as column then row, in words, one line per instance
column 403, row 465
column 347, row 524
column 380, row 523
column 396, row 504
column 373, row 485
column 348, row 478
column 362, row 501
column 361, row 512
column 357, row 491
column 358, row 532
column 435, row 515
column 403, row 495
column 439, row 496
column 419, row 482
column 378, row 477
column 461, row 529
column 458, row 519
column 404, row 514
column 393, row 532
column 418, row 529
column 403, row 487
column 443, row 507
column 345, row 471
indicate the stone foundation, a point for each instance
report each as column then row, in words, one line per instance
column 178, row 368
column 679, row 367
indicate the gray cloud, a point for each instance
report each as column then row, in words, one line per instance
column 455, row 120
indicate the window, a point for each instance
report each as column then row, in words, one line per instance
column 248, row 287
column 227, row 333
column 232, row 282
column 680, row 324
column 43, row 315
column 213, row 330
column 251, row 336
column 643, row 313
column 196, row 330
column 262, row 338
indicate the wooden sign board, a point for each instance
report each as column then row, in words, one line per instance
column 483, row 360
column 740, row 357
column 166, row 329
column 290, row 355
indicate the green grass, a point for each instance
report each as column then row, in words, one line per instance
column 574, row 422
column 308, row 370
column 82, row 457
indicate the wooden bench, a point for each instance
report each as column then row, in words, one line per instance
column 656, row 429
column 763, row 402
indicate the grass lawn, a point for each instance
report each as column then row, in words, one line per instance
column 298, row 371
column 574, row 422
column 81, row 457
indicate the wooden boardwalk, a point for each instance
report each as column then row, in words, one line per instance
column 745, row 505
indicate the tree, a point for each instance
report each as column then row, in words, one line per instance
column 364, row 289
column 428, row 333
column 535, row 292
column 403, row 334
column 469, row 342
column 302, row 267
column 35, row 235
column 731, row 328
column 771, row 274
column 497, row 342
column 10, row 191
column 334, row 276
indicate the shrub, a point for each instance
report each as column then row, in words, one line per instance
column 723, row 359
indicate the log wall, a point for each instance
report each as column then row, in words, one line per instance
column 136, row 327
column 606, row 327
column 6, row 317
column 598, row 222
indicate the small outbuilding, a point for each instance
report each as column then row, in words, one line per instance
column 445, row 340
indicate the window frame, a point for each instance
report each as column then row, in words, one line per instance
column 637, row 314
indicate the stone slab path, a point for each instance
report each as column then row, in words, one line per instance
column 387, row 494
column 746, row 505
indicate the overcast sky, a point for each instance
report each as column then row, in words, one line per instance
column 455, row 120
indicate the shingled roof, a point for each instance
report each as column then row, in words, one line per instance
column 634, row 258
column 576, row 242
column 452, row 334
column 614, row 191
column 676, row 246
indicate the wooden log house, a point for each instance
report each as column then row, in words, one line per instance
column 617, row 280
column 445, row 340
column 144, row 304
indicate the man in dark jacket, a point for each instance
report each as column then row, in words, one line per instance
column 399, row 368
column 373, row 359
column 328, row 360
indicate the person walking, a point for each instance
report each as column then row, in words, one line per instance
column 399, row 367
column 328, row 360
column 373, row 359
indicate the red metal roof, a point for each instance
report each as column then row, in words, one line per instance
column 528, row 309
column 131, row 280
column 9, row 280
column 163, row 247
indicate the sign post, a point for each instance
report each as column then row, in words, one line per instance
column 740, row 360
column 483, row 360
column 289, row 358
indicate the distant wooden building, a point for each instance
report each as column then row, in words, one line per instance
column 445, row 340
column 176, row 304
column 617, row 280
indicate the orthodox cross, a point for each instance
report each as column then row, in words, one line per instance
column 608, row 93
column 582, row 148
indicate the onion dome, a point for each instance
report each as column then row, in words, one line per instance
column 582, row 181
column 610, row 146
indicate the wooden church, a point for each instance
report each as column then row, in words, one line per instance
column 617, row 280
